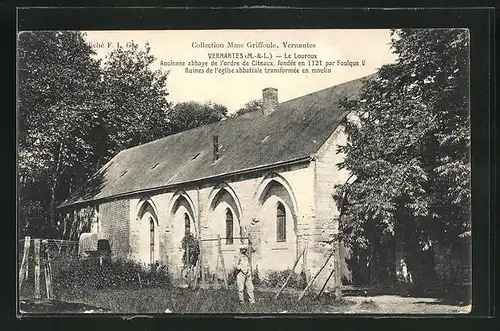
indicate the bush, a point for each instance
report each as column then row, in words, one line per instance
column 278, row 278
column 80, row 275
column 256, row 276
column 194, row 250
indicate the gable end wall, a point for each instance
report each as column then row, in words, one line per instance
column 327, row 175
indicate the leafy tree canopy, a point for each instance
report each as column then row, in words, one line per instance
column 250, row 106
column 191, row 114
column 408, row 144
column 58, row 99
column 76, row 112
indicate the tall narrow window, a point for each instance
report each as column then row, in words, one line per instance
column 280, row 223
column 151, row 240
column 229, row 227
column 187, row 224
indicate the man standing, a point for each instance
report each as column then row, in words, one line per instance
column 244, row 276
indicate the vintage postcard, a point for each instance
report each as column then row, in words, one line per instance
column 244, row 171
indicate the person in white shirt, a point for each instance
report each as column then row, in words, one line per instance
column 244, row 276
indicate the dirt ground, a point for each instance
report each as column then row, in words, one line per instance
column 394, row 304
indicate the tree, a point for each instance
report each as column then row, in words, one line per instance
column 408, row 146
column 75, row 114
column 250, row 106
column 191, row 114
column 135, row 100
column 57, row 83
column 133, row 110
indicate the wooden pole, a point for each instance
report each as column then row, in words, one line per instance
column 48, row 266
column 49, row 272
column 336, row 270
column 37, row 267
column 338, row 276
column 250, row 256
column 224, row 275
column 326, row 282
column 46, row 274
column 315, row 276
column 290, row 275
column 196, row 274
column 23, row 271
column 304, row 265
column 28, row 260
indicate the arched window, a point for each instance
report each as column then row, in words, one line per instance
column 280, row 223
column 151, row 240
column 187, row 224
column 229, row 227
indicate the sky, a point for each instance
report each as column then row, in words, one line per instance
column 234, row 90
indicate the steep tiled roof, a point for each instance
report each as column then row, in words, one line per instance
column 295, row 130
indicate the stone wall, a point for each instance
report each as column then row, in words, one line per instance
column 252, row 198
column 327, row 175
column 115, row 223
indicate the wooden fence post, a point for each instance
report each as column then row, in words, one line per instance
column 37, row 267
column 49, row 272
column 23, row 271
column 46, row 274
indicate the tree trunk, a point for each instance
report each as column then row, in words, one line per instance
column 52, row 206
column 53, row 186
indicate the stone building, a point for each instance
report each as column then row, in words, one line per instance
column 268, row 175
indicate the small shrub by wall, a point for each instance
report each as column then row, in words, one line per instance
column 273, row 279
column 81, row 275
column 278, row 278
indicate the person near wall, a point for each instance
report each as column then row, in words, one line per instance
column 244, row 276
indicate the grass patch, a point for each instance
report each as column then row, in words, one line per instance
column 183, row 300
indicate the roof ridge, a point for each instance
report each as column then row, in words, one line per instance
column 233, row 118
column 329, row 87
